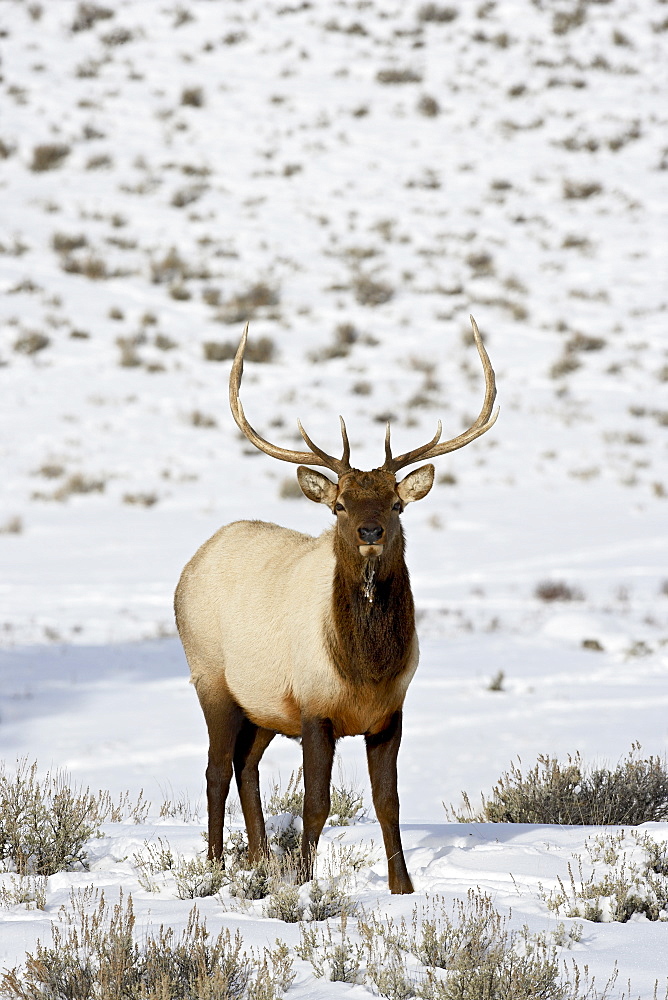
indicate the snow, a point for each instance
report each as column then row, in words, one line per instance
column 310, row 176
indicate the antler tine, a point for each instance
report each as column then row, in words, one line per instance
column 388, row 449
column 486, row 418
column 313, row 457
column 394, row 464
column 345, row 459
column 337, row 465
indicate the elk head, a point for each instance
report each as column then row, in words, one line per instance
column 367, row 505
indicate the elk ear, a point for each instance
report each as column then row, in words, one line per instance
column 417, row 484
column 317, row 487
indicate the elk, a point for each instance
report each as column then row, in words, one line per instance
column 311, row 637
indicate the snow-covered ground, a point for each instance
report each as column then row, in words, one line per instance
column 355, row 178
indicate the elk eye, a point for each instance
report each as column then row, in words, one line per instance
column 397, row 506
column 339, row 506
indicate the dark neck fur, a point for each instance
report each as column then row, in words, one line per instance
column 371, row 640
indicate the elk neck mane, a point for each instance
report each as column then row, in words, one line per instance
column 371, row 640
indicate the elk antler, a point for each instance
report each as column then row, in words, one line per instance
column 485, row 420
column 313, row 457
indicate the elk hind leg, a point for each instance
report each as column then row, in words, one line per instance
column 382, row 750
column 251, row 743
column 318, row 746
column 224, row 718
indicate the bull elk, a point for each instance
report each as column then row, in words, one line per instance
column 311, row 637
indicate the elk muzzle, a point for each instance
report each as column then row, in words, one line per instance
column 371, row 542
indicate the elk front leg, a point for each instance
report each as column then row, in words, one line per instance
column 381, row 751
column 318, row 749
column 224, row 719
column 251, row 744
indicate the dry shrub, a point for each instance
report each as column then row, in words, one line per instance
column 244, row 305
column 77, row 483
column 564, row 365
column 345, row 335
column 130, row 357
column 463, row 952
column 621, row 884
column 188, row 195
column 636, row 791
column 88, row 14
column 90, row 266
column 216, row 350
column 583, row 342
column 192, row 97
column 68, row 242
column 564, row 21
column 164, row 343
column 428, row 106
column 12, row 526
column 51, row 470
column 173, row 269
column 262, row 350
column 481, row 263
column 435, row 13
column 371, row 292
column 31, row 343
column 140, row 499
column 48, row 156
column 574, row 190
column 119, row 36
column 45, row 823
column 394, row 76
column 95, row 955
column 557, row 590
column 199, row 419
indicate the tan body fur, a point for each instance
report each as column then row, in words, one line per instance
column 240, row 615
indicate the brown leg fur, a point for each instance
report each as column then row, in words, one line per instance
column 224, row 720
column 252, row 741
column 381, row 751
column 318, row 748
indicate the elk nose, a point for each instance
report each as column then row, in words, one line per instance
column 370, row 533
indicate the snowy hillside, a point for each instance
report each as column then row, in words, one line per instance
column 354, row 178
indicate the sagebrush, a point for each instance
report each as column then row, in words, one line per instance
column 96, row 955
column 45, row 822
column 635, row 791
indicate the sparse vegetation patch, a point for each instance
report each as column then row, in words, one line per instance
column 45, row 822
column 97, row 953
column 49, row 156
column 634, row 792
